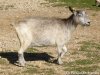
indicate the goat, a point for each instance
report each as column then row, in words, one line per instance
column 42, row 31
column 97, row 2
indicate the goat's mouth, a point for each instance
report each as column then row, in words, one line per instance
column 87, row 24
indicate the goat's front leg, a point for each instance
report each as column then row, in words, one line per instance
column 64, row 51
column 61, row 51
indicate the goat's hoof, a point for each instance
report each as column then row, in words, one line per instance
column 59, row 62
column 20, row 64
column 52, row 60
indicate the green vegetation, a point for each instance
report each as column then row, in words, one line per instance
column 83, row 62
column 36, row 70
column 86, row 65
column 49, row 71
column 3, row 62
column 90, row 64
column 76, row 3
column 32, row 50
column 88, row 46
column 6, row 7
column 31, row 70
column 83, row 69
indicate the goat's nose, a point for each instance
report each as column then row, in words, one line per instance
column 88, row 22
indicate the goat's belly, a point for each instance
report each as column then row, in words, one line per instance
column 43, row 43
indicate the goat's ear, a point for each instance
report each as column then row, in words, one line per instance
column 71, row 9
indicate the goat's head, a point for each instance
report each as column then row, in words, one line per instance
column 80, row 17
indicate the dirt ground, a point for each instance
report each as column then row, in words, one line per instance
column 14, row 10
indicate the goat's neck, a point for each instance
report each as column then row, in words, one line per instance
column 71, row 23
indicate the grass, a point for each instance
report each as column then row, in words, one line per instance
column 76, row 3
column 49, row 71
column 86, row 65
column 3, row 62
column 6, row 7
column 31, row 70
column 89, row 45
column 83, row 69
column 94, row 14
column 32, row 50
column 83, row 62
column 91, row 50
column 36, row 70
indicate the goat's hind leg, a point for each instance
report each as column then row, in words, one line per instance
column 59, row 61
column 21, row 59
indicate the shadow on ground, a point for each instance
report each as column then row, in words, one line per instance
column 12, row 57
